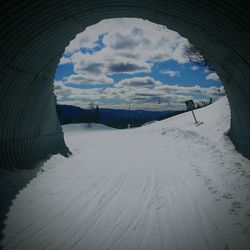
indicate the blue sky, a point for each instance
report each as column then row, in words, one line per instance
column 125, row 62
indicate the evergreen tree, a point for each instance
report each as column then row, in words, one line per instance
column 97, row 114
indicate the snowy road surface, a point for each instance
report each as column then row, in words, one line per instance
column 167, row 185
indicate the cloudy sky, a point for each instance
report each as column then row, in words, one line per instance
column 128, row 62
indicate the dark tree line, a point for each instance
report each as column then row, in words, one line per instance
column 70, row 114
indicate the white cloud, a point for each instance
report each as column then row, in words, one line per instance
column 88, row 79
column 89, row 37
column 192, row 90
column 140, row 92
column 134, row 36
column 58, row 85
column 194, row 68
column 212, row 76
column 171, row 73
column 68, row 94
column 138, row 82
column 106, row 62
column 61, row 91
column 129, row 45
column 65, row 60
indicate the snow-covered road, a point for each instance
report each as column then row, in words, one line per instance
column 167, row 185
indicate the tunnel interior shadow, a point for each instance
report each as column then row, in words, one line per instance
column 11, row 183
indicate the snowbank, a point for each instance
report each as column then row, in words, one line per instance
column 215, row 117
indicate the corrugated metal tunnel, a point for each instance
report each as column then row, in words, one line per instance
column 34, row 35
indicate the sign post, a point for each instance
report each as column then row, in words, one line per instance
column 191, row 107
column 194, row 117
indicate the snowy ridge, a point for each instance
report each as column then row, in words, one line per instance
column 166, row 185
column 84, row 127
column 216, row 118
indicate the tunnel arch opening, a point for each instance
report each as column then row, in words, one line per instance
column 35, row 35
column 131, row 64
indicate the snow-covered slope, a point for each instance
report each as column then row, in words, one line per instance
column 166, row 185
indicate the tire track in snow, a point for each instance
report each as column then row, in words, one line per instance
column 100, row 207
column 146, row 191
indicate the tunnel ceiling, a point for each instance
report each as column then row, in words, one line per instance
column 34, row 35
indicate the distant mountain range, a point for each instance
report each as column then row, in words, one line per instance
column 118, row 118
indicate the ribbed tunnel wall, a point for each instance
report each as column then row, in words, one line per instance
column 34, row 34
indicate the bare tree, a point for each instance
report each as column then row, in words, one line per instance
column 97, row 114
column 90, row 117
column 91, row 106
column 196, row 57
